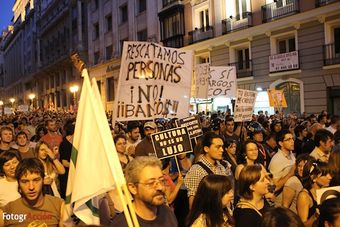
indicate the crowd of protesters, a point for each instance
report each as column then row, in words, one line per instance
column 264, row 172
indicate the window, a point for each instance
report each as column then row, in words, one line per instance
column 110, row 89
column 122, row 44
column 96, row 57
column 204, row 18
column 172, row 26
column 203, row 59
column 337, row 40
column 141, row 6
column 95, row 31
column 123, row 14
column 108, row 19
column 241, row 8
column 95, row 4
column 243, row 58
column 142, row 35
column 286, row 45
column 108, row 51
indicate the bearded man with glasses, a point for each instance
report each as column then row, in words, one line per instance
column 146, row 183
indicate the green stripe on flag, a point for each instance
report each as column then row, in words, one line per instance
column 68, row 199
column 94, row 210
column 74, row 156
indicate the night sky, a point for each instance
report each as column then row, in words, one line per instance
column 6, row 13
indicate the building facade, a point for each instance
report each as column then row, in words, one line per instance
column 284, row 44
column 110, row 23
column 37, row 50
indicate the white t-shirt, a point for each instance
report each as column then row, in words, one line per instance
column 8, row 191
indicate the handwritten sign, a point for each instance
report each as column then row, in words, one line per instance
column 284, row 62
column 244, row 105
column 201, row 80
column 222, row 81
column 276, row 98
column 8, row 111
column 193, row 125
column 171, row 142
column 154, row 81
column 23, row 108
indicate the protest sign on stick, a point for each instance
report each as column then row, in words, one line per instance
column 201, row 80
column 222, row 81
column 277, row 99
column 172, row 142
column 154, row 81
column 193, row 125
column 244, row 105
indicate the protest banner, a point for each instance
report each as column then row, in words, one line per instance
column 201, row 78
column 23, row 108
column 244, row 105
column 193, row 125
column 222, row 81
column 327, row 193
column 154, row 81
column 171, row 142
column 276, row 98
column 8, row 110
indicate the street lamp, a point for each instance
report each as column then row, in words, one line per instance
column 31, row 97
column 12, row 100
column 74, row 89
column 1, row 105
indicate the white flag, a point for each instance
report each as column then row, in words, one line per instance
column 94, row 165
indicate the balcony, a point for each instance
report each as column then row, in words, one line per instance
column 277, row 10
column 243, row 68
column 175, row 41
column 331, row 53
column 237, row 23
column 319, row 3
column 284, row 62
column 201, row 34
column 170, row 2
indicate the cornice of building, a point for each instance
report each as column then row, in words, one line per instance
column 267, row 28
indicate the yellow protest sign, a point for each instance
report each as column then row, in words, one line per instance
column 276, row 98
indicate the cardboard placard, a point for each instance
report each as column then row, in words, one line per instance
column 171, row 142
column 276, row 98
column 244, row 105
column 154, row 81
column 193, row 125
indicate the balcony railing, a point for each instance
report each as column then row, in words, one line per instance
column 331, row 54
column 201, row 34
column 319, row 3
column 243, row 68
column 170, row 2
column 175, row 41
column 237, row 23
column 277, row 10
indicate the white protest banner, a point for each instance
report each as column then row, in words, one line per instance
column 201, row 80
column 23, row 108
column 171, row 142
column 8, row 110
column 193, row 125
column 154, row 81
column 327, row 193
column 244, row 105
column 222, row 81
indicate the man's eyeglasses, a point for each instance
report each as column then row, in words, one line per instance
column 154, row 183
column 289, row 139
